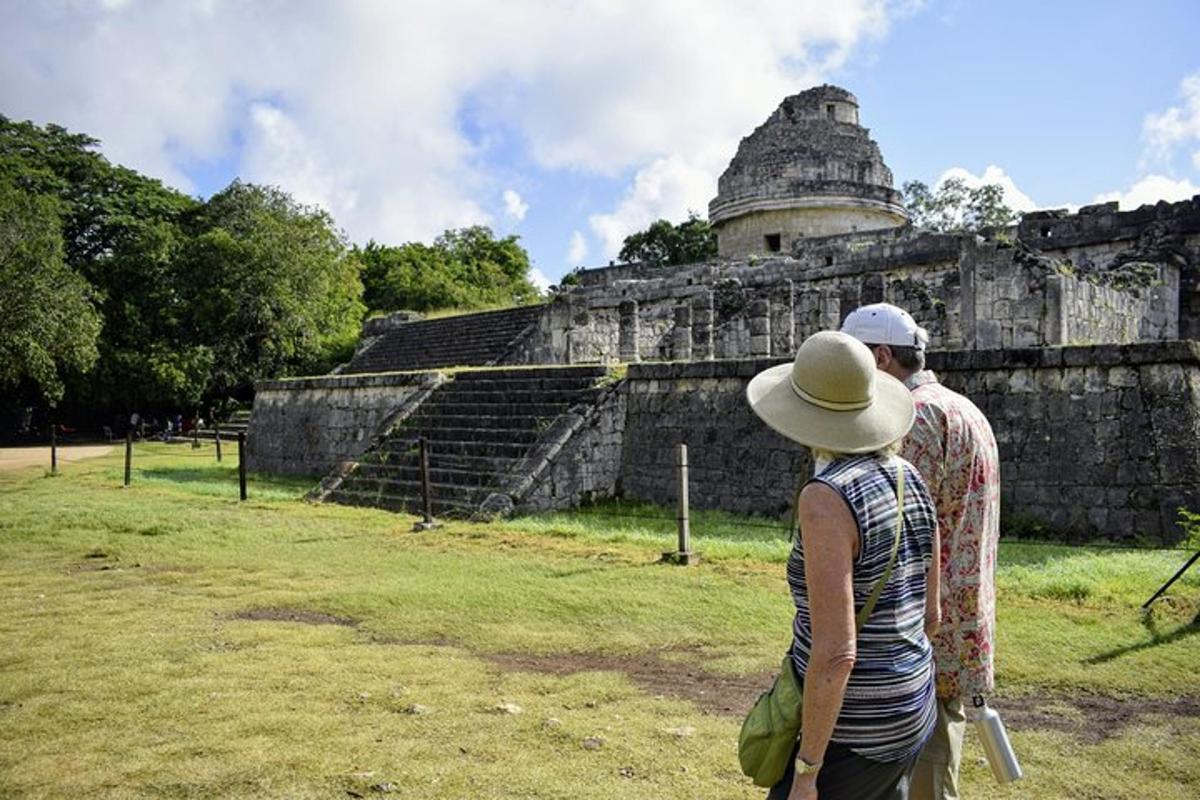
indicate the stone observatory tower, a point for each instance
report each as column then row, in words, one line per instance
column 809, row 170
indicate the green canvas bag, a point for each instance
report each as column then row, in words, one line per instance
column 770, row 730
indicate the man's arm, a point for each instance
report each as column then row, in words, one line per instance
column 933, row 586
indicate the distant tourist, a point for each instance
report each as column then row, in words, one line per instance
column 869, row 699
column 953, row 446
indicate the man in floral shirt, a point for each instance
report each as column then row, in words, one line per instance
column 954, row 449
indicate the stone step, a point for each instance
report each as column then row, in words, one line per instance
column 436, row 408
column 474, row 434
column 492, row 465
column 471, row 448
column 521, row 384
column 460, row 395
column 437, row 474
column 421, row 421
column 523, row 373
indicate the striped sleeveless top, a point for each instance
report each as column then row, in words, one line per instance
column 889, row 708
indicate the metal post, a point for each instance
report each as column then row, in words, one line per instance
column 242, row 463
column 217, row 437
column 1174, row 578
column 53, row 449
column 128, row 454
column 684, row 554
column 426, row 489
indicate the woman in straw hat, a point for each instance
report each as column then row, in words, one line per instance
column 868, row 693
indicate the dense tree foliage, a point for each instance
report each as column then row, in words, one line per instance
column 48, row 324
column 664, row 244
column 270, row 286
column 463, row 268
column 118, row 293
column 196, row 299
column 956, row 208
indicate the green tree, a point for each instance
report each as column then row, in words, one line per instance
column 955, row 208
column 121, row 231
column 664, row 244
column 48, row 324
column 463, row 268
column 270, row 287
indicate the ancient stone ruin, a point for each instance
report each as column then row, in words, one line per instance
column 1078, row 335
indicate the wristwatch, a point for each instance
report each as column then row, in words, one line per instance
column 804, row 767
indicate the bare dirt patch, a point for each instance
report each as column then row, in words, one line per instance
column 293, row 615
column 713, row 693
column 1094, row 718
column 1091, row 718
column 12, row 458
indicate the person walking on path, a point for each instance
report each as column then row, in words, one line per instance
column 869, row 700
column 954, row 448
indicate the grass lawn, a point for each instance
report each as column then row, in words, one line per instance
column 167, row 641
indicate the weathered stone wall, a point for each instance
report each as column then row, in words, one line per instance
column 306, row 426
column 1094, row 441
column 748, row 234
column 736, row 463
column 1101, row 440
column 583, row 464
column 1101, row 239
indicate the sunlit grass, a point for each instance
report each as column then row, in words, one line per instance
column 126, row 670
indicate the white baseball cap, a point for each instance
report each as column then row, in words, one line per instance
column 884, row 323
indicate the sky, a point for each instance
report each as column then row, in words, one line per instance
column 573, row 123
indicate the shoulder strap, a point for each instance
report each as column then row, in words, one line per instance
column 869, row 606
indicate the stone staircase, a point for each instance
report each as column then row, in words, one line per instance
column 480, row 426
column 237, row 423
column 466, row 340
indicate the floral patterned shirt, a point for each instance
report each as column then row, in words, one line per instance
column 954, row 449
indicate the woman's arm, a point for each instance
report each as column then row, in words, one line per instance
column 830, row 538
column 933, row 587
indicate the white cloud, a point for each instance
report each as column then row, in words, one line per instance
column 1150, row 190
column 578, row 249
column 364, row 107
column 666, row 189
column 1014, row 198
column 539, row 279
column 514, row 206
column 1178, row 126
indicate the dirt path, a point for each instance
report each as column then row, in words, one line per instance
column 12, row 458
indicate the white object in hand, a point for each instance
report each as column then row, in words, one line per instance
column 996, row 747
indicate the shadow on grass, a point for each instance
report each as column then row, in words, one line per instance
column 1157, row 638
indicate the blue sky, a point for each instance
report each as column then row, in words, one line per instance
column 572, row 123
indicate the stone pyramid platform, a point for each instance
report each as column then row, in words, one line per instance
column 482, row 428
column 468, row 340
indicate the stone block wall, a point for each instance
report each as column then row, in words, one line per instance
column 307, row 426
column 1094, row 441
column 1099, row 441
column 585, row 463
column 736, row 463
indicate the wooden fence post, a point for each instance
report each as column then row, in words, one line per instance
column 53, row 449
column 427, row 521
column 242, row 463
column 128, row 454
column 217, row 437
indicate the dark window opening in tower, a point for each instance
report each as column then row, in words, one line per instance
column 829, row 110
column 774, row 242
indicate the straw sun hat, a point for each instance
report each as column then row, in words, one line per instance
column 832, row 397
